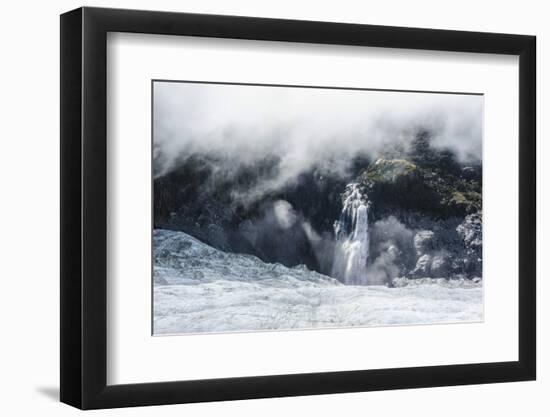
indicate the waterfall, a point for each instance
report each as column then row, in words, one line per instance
column 352, row 239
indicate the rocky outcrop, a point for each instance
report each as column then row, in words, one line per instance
column 470, row 230
column 424, row 211
column 439, row 206
column 400, row 184
column 216, row 208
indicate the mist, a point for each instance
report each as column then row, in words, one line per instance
column 302, row 127
column 391, row 246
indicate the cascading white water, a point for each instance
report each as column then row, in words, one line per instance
column 352, row 239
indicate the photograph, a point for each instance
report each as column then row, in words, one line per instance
column 275, row 209
column 281, row 207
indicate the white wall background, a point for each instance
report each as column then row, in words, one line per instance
column 29, row 177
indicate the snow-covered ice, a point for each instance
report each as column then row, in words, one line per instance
column 198, row 289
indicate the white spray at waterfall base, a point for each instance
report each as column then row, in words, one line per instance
column 352, row 239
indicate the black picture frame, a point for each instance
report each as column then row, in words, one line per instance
column 84, row 207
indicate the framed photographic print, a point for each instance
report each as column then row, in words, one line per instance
column 257, row 207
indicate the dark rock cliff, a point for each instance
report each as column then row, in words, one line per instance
column 212, row 206
column 424, row 211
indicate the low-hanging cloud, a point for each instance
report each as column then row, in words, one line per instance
column 303, row 127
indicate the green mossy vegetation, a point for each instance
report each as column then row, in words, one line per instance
column 403, row 184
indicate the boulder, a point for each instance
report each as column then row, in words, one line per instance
column 440, row 266
column 423, row 242
column 423, row 266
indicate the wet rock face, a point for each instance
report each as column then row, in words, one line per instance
column 427, row 247
column 432, row 261
column 423, row 241
column 470, row 230
column 424, row 215
column 423, row 266
column 440, row 266
column 398, row 184
column 213, row 207
column 437, row 201
column 432, row 266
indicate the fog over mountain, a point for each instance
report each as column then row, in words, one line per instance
column 364, row 186
column 300, row 128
